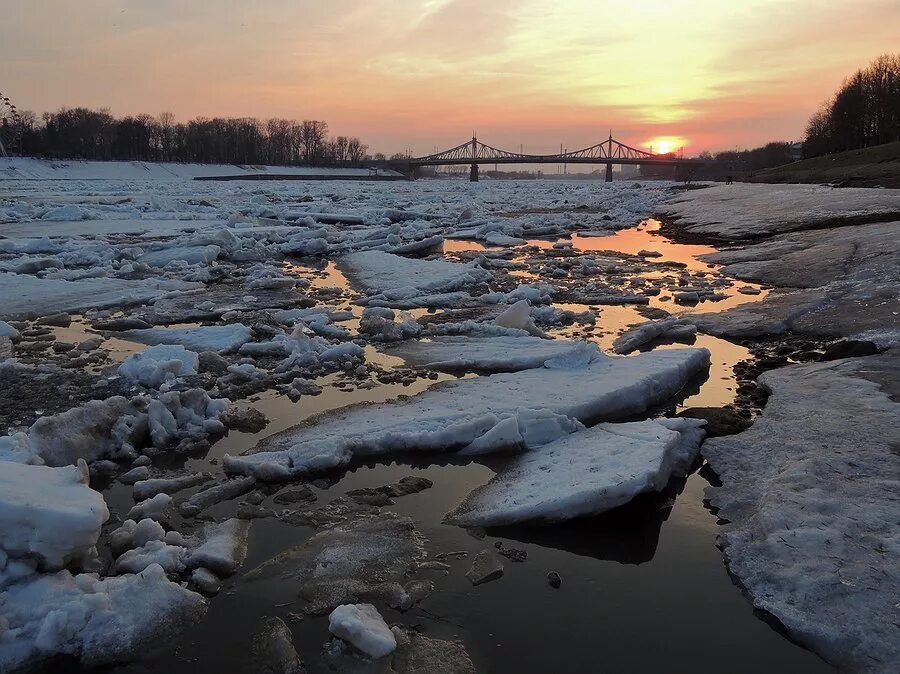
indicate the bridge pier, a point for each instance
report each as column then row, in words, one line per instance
column 609, row 173
column 473, row 173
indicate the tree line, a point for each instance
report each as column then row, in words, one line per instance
column 82, row 133
column 865, row 111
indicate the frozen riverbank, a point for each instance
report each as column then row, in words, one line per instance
column 274, row 324
column 810, row 491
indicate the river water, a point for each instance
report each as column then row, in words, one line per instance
column 644, row 588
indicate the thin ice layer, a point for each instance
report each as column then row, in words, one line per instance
column 451, row 416
column 584, row 473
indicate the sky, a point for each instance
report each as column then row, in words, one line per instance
column 426, row 74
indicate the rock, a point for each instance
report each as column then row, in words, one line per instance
column 686, row 298
column 362, row 626
column 849, row 348
column 372, row 497
column 61, row 320
column 210, row 361
column 246, row 419
column 299, row 495
column 719, row 420
column 90, row 344
column 485, row 568
column 554, row 579
column 514, row 554
column 273, row 649
column 407, row 485
column 119, row 324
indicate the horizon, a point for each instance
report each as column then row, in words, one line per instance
column 406, row 77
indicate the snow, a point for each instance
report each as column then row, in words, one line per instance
column 29, row 168
column 492, row 354
column 362, row 626
column 810, row 494
column 454, row 415
column 49, row 514
column 99, row 621
column 748, row 211
column 584, row 473
column 222, row 338
column 159, row 364
column 22, row 295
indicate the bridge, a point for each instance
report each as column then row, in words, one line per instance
column 474, row 153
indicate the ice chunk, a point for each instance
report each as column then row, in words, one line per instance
column 222, row 338
column 452, row 416
column 99, row 621
column 584, row 473
column 172, row 558
column 493, row 354
column 153, row 508
column 159, row 364
column 50, row 514
column 23, row 295
column 639, row 335
column 222, row 548
column 396, row 276
column 518, row 316
column 362, row 626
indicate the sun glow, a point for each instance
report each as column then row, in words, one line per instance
column 665, row 144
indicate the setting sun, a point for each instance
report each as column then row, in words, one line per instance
column 665, row 144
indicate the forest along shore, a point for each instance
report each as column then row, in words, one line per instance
column 184, row 361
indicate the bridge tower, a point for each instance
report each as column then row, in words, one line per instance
column 609, row 154
column 473, row 169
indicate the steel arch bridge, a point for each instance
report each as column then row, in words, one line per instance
column 610, row 151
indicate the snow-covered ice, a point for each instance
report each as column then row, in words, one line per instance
column 810, row 494
column 491, row 354
column 158, row 364
column 98, row 620
column 49, row 514
column 453, row 416
column 362, row 626
column 222, row 338
column 584, row 473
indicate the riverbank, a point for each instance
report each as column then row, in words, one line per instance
column 877, row 166
column 809, row 493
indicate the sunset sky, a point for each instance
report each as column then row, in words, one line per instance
column 422, row 74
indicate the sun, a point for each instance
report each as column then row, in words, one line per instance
column 665, row 144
